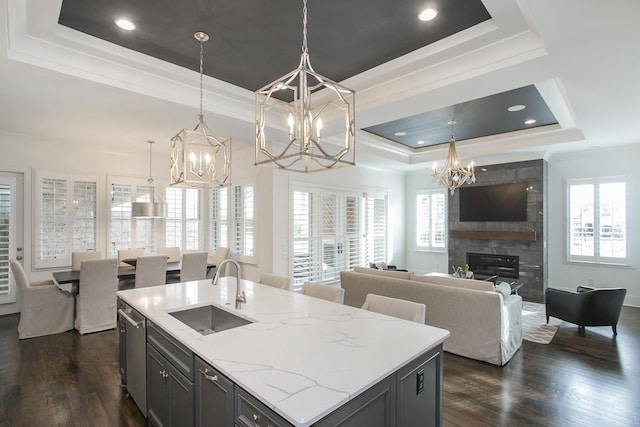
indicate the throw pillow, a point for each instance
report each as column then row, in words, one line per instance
column 504, row 289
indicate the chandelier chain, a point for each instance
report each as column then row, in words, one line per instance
column 305, row 47
column 201, row 71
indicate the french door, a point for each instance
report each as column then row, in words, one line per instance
column 10, row 232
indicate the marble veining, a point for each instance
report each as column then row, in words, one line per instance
column 303, row 357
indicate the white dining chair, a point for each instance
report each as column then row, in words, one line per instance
column 172, row 253
column 219, row 255
column 96, row 299
column 326, row 292
column 78, row 257
column 45, row 309
column 151, row 270
column 129, row 254
column 275, row 281
column 194, row 266
column 403, row 309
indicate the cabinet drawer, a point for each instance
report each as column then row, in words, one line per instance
column 252, row 413
column 179, row 355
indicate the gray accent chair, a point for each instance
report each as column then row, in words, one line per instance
column 45, row 309
column 586, row 307
column 326, row 292
column 96, row 299
column 194, row 266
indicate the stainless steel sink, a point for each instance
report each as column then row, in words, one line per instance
column 209, row 319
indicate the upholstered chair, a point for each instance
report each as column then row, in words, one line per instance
column 172, row 253
column 586, row 307
column 218, row 256
column 194, row 266
column 403, row 309
column 275, row 281
column 78, row 257
column 151, row 270
column 45, row 309
column 129, row 254
column 96, row 299
column 327, row 292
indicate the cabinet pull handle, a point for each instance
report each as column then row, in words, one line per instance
column 164, row 374
column 129, row 319
column 212, row 378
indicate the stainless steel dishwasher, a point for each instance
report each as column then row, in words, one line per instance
column 135, row 355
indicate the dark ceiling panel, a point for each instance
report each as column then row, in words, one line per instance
column 254, row 42
column 474, row 119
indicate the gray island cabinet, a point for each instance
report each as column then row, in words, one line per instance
column 294, row 361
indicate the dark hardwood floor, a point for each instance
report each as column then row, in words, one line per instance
column 590, row 380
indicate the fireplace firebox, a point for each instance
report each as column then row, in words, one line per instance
column 485, row 266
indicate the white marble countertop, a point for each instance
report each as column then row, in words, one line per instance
column 303, row 357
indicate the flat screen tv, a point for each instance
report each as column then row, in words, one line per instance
column 501, row 202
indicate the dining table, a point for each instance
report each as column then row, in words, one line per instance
column 69, row 280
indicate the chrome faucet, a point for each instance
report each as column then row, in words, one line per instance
column 240, row 296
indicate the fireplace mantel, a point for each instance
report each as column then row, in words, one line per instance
column 530, row 236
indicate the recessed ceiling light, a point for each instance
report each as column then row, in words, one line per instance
column 428, row 14
column 483, row 169
column 400, row 133
column 125, row 24
column 518, row 107
column 530, row 121
column 420, row 142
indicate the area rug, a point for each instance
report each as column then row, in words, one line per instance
column 534, row 323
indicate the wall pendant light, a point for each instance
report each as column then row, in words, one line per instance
column 295, row 111
column 453, row 175
column 153, row 209
column 199, row 157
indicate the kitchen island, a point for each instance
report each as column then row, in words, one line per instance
column 303, row 358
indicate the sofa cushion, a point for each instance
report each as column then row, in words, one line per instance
column 478, row 285
column 387, row 273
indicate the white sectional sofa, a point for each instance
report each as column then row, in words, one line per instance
column 484, row 324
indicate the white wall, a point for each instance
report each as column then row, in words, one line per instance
column 601, row 163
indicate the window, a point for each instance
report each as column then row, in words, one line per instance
column 66, row 218
column 127, row 232
column 184, row 219
column 335, row 230
column 431, row 220
column 233, row 221
column 376, row 221
column 244, row 222
column 597, row 221
column 219, row 228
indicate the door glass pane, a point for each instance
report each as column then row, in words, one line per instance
column 5, row 238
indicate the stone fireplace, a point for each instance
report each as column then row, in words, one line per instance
column 524, row 240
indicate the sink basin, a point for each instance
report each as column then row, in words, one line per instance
column 209, row 319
